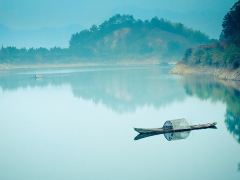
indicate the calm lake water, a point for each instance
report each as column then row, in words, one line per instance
column 78, row 124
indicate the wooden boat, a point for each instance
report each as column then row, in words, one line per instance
column 173, row 129
column 180, row 129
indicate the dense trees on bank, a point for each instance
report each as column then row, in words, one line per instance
column 223, row 53
column 120, row 37
column 32, row 55
column 231, row 25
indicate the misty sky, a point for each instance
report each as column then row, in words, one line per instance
column 205, row 15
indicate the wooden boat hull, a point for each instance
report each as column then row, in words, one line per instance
column 162, row 130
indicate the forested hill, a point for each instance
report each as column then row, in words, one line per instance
column 224, row 53
column 120, row 37
column 124, row 36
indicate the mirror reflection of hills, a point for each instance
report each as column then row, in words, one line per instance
column 122, row 89
column 226, row 92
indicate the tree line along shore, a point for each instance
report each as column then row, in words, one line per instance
column 220, row 58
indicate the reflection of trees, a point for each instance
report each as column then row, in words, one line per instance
column 205, row 88
column 121, row 89
column 125, row 90
column 233, row 124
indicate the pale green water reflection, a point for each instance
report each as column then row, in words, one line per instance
column 78, row 124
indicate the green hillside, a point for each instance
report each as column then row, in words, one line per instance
column 123, row 36
column 224, row 53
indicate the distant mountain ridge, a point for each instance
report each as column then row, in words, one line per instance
column 122, row 37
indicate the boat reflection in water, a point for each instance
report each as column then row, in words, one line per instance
column 173, row 129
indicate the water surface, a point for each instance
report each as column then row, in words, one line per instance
column 78, row 124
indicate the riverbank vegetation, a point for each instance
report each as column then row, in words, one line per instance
column 224, row 53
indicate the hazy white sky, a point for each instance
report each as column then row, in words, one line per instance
column 205, row 15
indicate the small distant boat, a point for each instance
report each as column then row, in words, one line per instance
column 38, row 76
column 173, row 129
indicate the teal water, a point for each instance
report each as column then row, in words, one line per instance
column 78, row 124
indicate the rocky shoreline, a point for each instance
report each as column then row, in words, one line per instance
column 220, row 73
